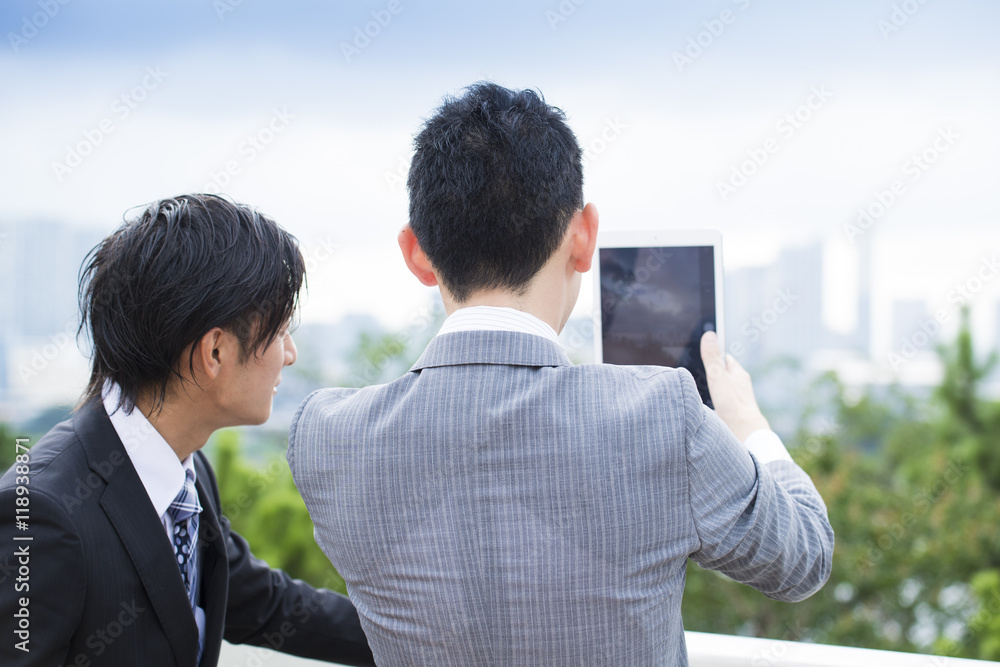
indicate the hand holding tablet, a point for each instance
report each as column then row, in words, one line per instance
column 659, row 292
column 731, row 390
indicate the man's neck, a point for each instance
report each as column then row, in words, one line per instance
column 550, row 296
column 550, row 313
column 179, row 425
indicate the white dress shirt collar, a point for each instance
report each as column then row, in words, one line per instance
column 159, row 469
column 497, row 318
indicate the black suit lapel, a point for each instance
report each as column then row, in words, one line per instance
column 213, row 563
column 127, row 506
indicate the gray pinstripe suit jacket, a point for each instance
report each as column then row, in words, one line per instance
column 498, row 505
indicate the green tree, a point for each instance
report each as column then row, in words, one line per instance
column 985, row 622
column 911, row 488
column 7, row 448
column 969, row 422
column 264, row 506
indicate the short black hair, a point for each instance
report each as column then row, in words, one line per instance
column 163, row 280
column 496, row 177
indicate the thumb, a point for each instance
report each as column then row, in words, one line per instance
column 732, row 363
column 711, row 355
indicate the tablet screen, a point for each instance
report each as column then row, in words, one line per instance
column 655, row 305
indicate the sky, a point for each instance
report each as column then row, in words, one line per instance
column 773, row 121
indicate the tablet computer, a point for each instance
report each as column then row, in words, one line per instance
column 658, row 291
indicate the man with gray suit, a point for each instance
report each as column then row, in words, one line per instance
column 498, row 505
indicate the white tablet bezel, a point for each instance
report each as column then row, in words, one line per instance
column 664, row 238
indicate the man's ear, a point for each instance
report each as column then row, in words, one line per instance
column 584, row 226
column 416, row 260
column 209, row 352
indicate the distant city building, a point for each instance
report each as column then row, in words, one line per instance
column 908, row 317
column 6, row 296
column 4, row 379
column 48, row 259
column 773, row 312
column 996, row 328
column 776, row 310
column 41, row 363
column 863, row 333
column 7, row 290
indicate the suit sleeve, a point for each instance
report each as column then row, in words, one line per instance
column 46, row 572
column 764, row 525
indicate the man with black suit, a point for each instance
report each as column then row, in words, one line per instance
column 188, row 308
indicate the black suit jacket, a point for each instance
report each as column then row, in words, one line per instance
column 100, row 580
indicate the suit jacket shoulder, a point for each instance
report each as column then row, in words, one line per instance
column 91, row 526
column 496, row 484
column 103, row 586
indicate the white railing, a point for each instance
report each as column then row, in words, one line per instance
column 704, row 650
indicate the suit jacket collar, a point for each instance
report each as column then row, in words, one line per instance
column 128, row 508
column 155, row 461
column 509, row 348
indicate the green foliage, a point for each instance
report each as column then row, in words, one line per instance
column 973, row 425
column 378, row 359
column 986, row 621
column 9, row 436
column 264, row 506
column 7, row 448
column 912, row 492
